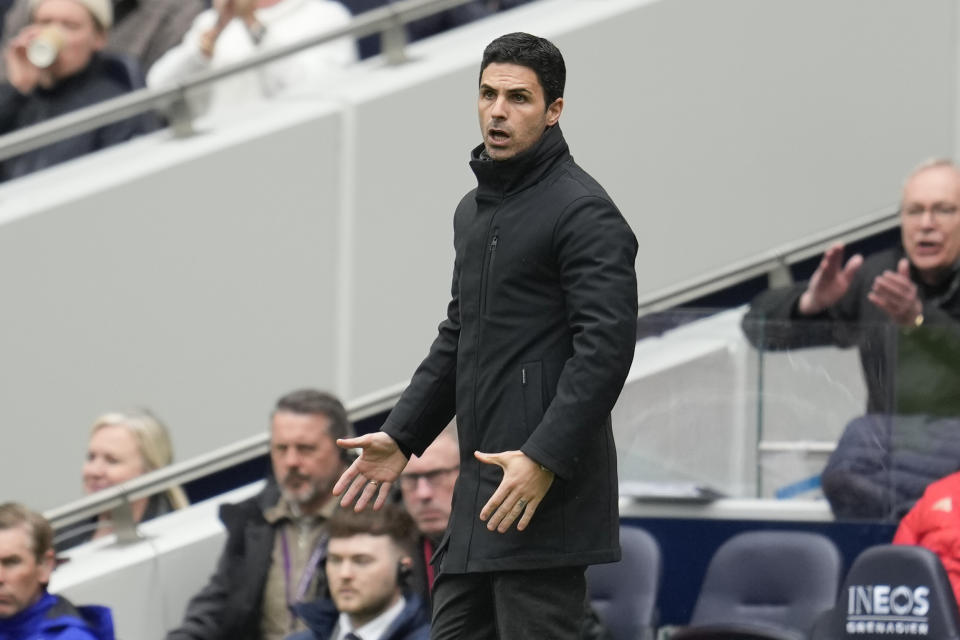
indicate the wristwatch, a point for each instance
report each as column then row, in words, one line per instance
column 916, row 324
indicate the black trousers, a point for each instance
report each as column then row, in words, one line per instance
column 509, row 605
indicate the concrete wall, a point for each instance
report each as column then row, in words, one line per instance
column 309, row 241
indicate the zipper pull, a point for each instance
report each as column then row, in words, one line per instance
column 493, row 243
column 523, row 376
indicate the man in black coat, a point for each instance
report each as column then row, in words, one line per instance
column 276, row 541
column 901, row 309
column 537, row 342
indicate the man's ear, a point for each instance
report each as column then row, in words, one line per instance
column 45, row 567
column 404, row 570
column 553, row 111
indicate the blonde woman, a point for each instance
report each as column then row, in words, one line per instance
column 122, row 447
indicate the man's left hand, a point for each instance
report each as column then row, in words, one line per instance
column 524, row 484
column 896, row 294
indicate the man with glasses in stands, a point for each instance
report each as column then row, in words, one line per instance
column 538, row 339
column 901, row 309
column 276, row 541
column 27, row 610
column 55, row 66
column 426, row 486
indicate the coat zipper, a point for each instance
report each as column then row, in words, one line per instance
column 485, row 285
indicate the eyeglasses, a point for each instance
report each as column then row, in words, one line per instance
column 939, row 209
column 434, row 478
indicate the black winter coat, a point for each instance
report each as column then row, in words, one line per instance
column 229, row 607
column 537, row 343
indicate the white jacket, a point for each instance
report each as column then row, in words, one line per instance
column 286, row 22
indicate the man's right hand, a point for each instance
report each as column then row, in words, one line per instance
column 372, row 474
column 829, row 282
column 21, row 73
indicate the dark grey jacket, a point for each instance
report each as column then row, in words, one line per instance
column 538, row 339
column 914, row 372
column 229, row 607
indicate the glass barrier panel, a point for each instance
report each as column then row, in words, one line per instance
column 719, row 403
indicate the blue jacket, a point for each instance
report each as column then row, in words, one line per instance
column 54, row 618
column 321, row 616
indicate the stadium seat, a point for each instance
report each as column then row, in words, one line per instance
column 624, row 594
column 893, row 591
column 770, row 585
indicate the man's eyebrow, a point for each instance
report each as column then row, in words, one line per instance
column 508, row 90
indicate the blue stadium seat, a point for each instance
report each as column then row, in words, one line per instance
column 624, row 594
column 765, row 585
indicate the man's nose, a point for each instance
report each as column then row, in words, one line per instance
column 93, row 467
column 424, row 488
column 499, row 108
column 291, row 458
column 345, row 571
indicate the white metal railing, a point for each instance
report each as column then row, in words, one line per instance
column 388, row 20
column 774, row 263
column 117, row 499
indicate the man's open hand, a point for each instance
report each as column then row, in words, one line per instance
column 524, row 484
column 372, row 474
column 896, row 294
column 829, row 282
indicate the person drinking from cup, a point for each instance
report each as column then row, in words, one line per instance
column 55, row 65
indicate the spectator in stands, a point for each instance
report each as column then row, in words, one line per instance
column 27, row 610
column 275, row 540
column 143, row 30
column 934, row 523
column 368, row 561
column 122, row 447
column 71, row 34
column 426, row 486
column 901, row 308
column 234, row 30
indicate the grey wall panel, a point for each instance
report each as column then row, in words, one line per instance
column 193, row 291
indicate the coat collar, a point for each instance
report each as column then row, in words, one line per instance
column 504, row 177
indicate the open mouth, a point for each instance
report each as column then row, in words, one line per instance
column 927, row 247
column 498, row 136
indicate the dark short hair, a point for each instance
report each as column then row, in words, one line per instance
column 13, row 515
column 538, row 54
column 390, row 520
column 310, row 402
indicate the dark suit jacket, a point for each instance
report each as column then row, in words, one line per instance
column 229, row 607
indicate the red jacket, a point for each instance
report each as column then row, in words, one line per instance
column 934, row 523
